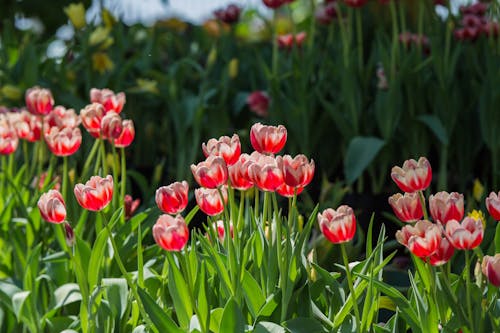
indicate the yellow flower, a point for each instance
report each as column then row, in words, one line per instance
column 233, row 68
column 477, row 190
column 477, row 214
column 101, row 62
column 100, row 36
column 11, row 92
column 108, row 19
column 76, row 14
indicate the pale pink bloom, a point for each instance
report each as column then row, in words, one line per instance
column 219, row 228
column 268, row 139
column 266, row 172
column 493, row 205
column 52, row 207
column 446, row 206
column 297, row 171
column 172, row 199
column 127, row 135
column 209, row 200
column 210, row 173
column 63, row 141
column 39, row 101
column 108, row 99
column 422, row 239
column 91, row 117
column 407, row 207
column 171, row 233
column 111, row 125
column 96, row 194
column 62, row 117
column 465, row 235
column 238, row 173
column 491, row 269
column 227, row 148
column 338, row 226
column 413, row 176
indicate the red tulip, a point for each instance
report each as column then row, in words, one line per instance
column 422, row 240
column 443, row 253
column 297, row 171
column 63, row 142
column 413, row 176
column 52, row 207
column 27, row 125
column 227, row 148
column 407, row 207
column 127, row 135
column 268, row 139
column 91, row 117
column 210, row 173
column 446, row 206
column 238, row 173
column 338, row 226
column 273, row 3
column 109, row 100
column 465, row 235
column 258, row 102
column 39, row 101
column 62, row 117
column 493, row 205
column 491, row 269
column 288, row 191
column 173, row 199
column 130, row 205
column 266, row 172
column 69, row 235
column 229, row 15
column 209, row 200
column 111, row 126
column 171, row 233
column 96, row 194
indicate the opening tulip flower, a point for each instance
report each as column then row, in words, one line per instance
column 338, row 226
column 127, row 135
column 111, row 126
column 171, row 233
column 491, row 269
column 39, row 101
column 443, row 253
column 493, row 205
column 258, row 102
column 446, row 206
column 413, row 176
column 422, row 239
column 238, row 174
column 65, row 141
column 227, row 148
column 28, row 126
column 265, row 172
column 52, row 207
column 172, row 199
column 268, row 139
column 109, row 100
column 209, row 200
column 96, row 194
column 61, row 117
column 465, row 235
column 297, row 171
column 407, row 207
column 219, row 228
column 91, row 117
column 210, row 173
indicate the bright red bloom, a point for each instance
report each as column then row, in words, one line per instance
column 52, row 207
column 227, row 148
column 297, row 171
column 111, row 126
column 288, row 191
column 446, row 206
column 91, row 117
column 338, row 226
column 127, row 135
column 465, row 235
column 265, row 172
column 210, row 201
column 210, row 173
column 171, row 233
column 443, row 253
column 96, row 194
column 422, row 239
column 258, row 102
column 413, row 176
column 491, row 269
column 289, row 40
column 173, row 199
column 229, row 15
column 39, row 101
column 407, row 207
column 63, row 142
column 130, row 205
column 268, row 139
column 493, row 205
column 109, row 100
column 238, row 173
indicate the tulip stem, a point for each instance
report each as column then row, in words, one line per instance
column 103, row 159
column 351, row 285
column 125, row 273
column 65, row 177
column 115, row 176
column 422, row 202
column 123, row 178
column 467, row 288
column 90, row 158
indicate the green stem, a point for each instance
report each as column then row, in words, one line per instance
column 65, row 178
column 123, row 185
column 351, row 285
column 103, row 158
column 422, row 202
column 359, row 33
column 443, row 161
column 115, row 176
column 140, row 260
column 467, row 289
column 90, row 158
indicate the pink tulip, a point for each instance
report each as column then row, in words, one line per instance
column 465, row 235
column 209, row 200
column 491, row 269
column 297, row 171
column 27, row 126
column 443, row 253
column 111, row 126
column 39, row 101
column 127, row 135
column 227, row 148
column 173, row 199
column 493, row 205
column 171, row 233
column 130, row 206
column 96, row 194
column 238, row 174
column 266, row 172
column 61, row 117
column 288, row 191
column 338, row 226
column 422, row 240
column 446, row 206
column 268, row 139
column 52, row 207
column 413, row 176
column 109, row 100
column 91, row 117
column 63, row 142
column 210, row 173
column 407, row 207
column 258, row 102
column 219, row 228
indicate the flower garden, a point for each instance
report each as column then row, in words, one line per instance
column 329, row 167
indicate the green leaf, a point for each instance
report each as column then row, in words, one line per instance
column 304, row 325
column 67, row 294
column 268, row 327
column 179, row 292
column 254, row 297
column 232, row 318
column 96, row 258
column 360, row 153
column 497, row 239
column 436, row 126
column 18, row 301
column 117, row 295
column 7, row 291
column 215, row 319
column 160, row 318
column 271, row 304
